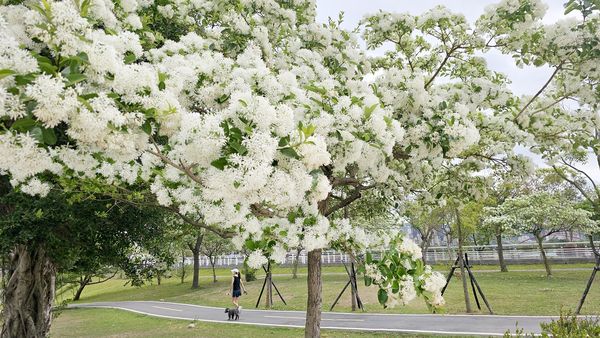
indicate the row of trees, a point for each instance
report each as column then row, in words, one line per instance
column 251, row 120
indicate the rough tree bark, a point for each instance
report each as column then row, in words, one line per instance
column 461, row 263
column 312, row 329
column 503, row 267
column 29, row 294
column 540, row 241
column 196, row 253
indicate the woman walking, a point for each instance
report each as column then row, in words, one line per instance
column 236, row 287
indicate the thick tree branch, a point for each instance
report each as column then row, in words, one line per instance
column 341, row 181
column 354, row 195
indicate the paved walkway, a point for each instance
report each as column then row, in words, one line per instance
column 463, row 325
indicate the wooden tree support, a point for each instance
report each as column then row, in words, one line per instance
column 474, row 285
column 591, row 280
column 356, row 302
column 269, row 284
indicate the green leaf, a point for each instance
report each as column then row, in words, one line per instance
column 23, row 80
column 309, row 130
column 369, row 257
column 284, row 141
column 6, row 72
column 316, row 89
column 369, row 111
column 219, row 163
column 130, row 58
column 23, row 124
column 36, row 133
column 222, row 99
column 395, row 286
column 74, row 78
column 239, row 148
column 368, row 281
column 49, row 136
column 382, row 296
column 47, row 67
column 290, row 152
column 147, row 127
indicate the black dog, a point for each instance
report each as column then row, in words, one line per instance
column 233, row 313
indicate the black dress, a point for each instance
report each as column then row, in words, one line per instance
column 237, row 288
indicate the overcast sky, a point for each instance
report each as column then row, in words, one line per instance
column 527, row 80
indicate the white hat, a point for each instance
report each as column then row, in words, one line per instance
column 235, row 270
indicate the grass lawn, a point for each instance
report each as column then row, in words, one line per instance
column 116, row 323
column 516, row 292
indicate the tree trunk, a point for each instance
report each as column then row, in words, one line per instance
column 503, row 267
column 312, row 329
column 353, row 294
column 182, row 266
column 3, row 272
column 82, row 284
column 212, row 263
column 268, row 291
column 158, row 277
column 425, row 240
column 296, row 261
column 29, row 294
column 196, row 252
column 540, row 240
column 461, row 263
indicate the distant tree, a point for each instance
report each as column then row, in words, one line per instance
column 427, row 222
column 541, row 215
column 214, row 246
column 194, row 243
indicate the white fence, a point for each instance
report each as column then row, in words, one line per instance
column 486, row 254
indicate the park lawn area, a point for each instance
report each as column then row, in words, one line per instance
column 515, row 292
column 117, row 323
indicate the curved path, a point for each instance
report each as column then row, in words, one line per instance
column 483, row 325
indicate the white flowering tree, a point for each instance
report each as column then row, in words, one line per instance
column 562, row 115
column 541, row 215
column 249, row 118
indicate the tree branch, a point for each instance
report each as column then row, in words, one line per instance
column 539, row 92
column 583, row 173
column 439, row 69
column 186, row 169
column 260, row 211
column 356, row 194
column 573, row 183
column 104, row 280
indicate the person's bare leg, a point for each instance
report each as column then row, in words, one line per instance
column 235, row 301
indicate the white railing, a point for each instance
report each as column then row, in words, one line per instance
column 485, row 254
